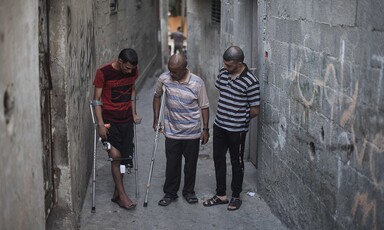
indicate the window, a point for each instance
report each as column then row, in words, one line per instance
column 113, row 7
column 216, row 12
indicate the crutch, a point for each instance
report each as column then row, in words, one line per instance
column 154, row 148
column 136, row 162
column 91, row 105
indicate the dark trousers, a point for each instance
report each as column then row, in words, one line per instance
column 120, row 135
column 174, row 150
column 223, row 141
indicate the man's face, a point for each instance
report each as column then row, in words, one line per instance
column 231, row 66
column 177, row 73
column 126, row 67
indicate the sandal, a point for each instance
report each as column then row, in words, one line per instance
column 191, row 198
column 166, row 200
column 215, row 200
column 234, row 204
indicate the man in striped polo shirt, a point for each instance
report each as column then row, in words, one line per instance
column 186, row 102
column 239, row 102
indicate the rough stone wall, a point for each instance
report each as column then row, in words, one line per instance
column 84, row 35
column 136, row 25
column 21, row 190
column 322, row 149
column 204, row 53
column 72, row 48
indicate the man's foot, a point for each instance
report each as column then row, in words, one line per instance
column 115, row 199
column 191, row 198
column 215, row 200
column 234, row 204
column 126, row 204
column 166, row 200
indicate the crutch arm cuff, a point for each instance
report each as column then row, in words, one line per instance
column 96, row 103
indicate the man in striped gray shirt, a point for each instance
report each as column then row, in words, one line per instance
column 186, row 102
column 239, row 102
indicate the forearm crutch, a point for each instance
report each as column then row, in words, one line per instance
column 136, row 161
column 158, row 128
column 91, row 105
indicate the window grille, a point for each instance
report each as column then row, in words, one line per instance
column 216, row 12
column 113, row 7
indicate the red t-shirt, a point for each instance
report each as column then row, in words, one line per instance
column 116, row 95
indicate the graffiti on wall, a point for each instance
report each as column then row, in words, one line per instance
column 364, row 149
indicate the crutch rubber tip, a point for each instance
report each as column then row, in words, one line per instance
column 93, row 209
column 145, row 204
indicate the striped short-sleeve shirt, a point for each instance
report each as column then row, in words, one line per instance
column 182, row 116
column 236, row 97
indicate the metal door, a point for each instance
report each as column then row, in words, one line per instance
column 45, row 104
column 254, row 130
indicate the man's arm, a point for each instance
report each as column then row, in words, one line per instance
column 205, row 134
column 136, row 118
column 156, row 109
column 98, row 112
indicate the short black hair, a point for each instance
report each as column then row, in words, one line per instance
column 129, row 55
column 233, row 53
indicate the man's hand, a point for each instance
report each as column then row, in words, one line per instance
column 103, row 132
column 204, row 137
column 136, row 119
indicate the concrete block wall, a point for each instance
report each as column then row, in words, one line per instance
column 136, row 25
column 204, row 50
column 21, row 190
column 322, row 144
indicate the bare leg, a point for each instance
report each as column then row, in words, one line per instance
column 117, row 177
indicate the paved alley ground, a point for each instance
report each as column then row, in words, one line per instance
column 253, row 214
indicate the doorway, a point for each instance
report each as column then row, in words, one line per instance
column 177, row 26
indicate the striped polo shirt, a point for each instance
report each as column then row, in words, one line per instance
column 236, row 97
column 182, row 117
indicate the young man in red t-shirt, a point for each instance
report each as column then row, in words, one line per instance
column 115, row 88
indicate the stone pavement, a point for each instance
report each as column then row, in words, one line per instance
column 253, row 214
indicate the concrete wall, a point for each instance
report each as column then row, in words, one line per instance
column 135, row 26
column 72, row 46
column 204, row 50
column 321, row 66
column 322, row 146
column 84, row 35
column 208, row 41
column 21, row 190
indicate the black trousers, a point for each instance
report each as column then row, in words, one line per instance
column 174, row 150
column 223, row 141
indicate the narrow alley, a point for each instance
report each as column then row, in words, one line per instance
column 314, row 152
column 179, row 215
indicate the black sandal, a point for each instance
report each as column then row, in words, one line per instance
column 215, row 200
column 234, row 204
column 191, row 198
column 166, row 200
